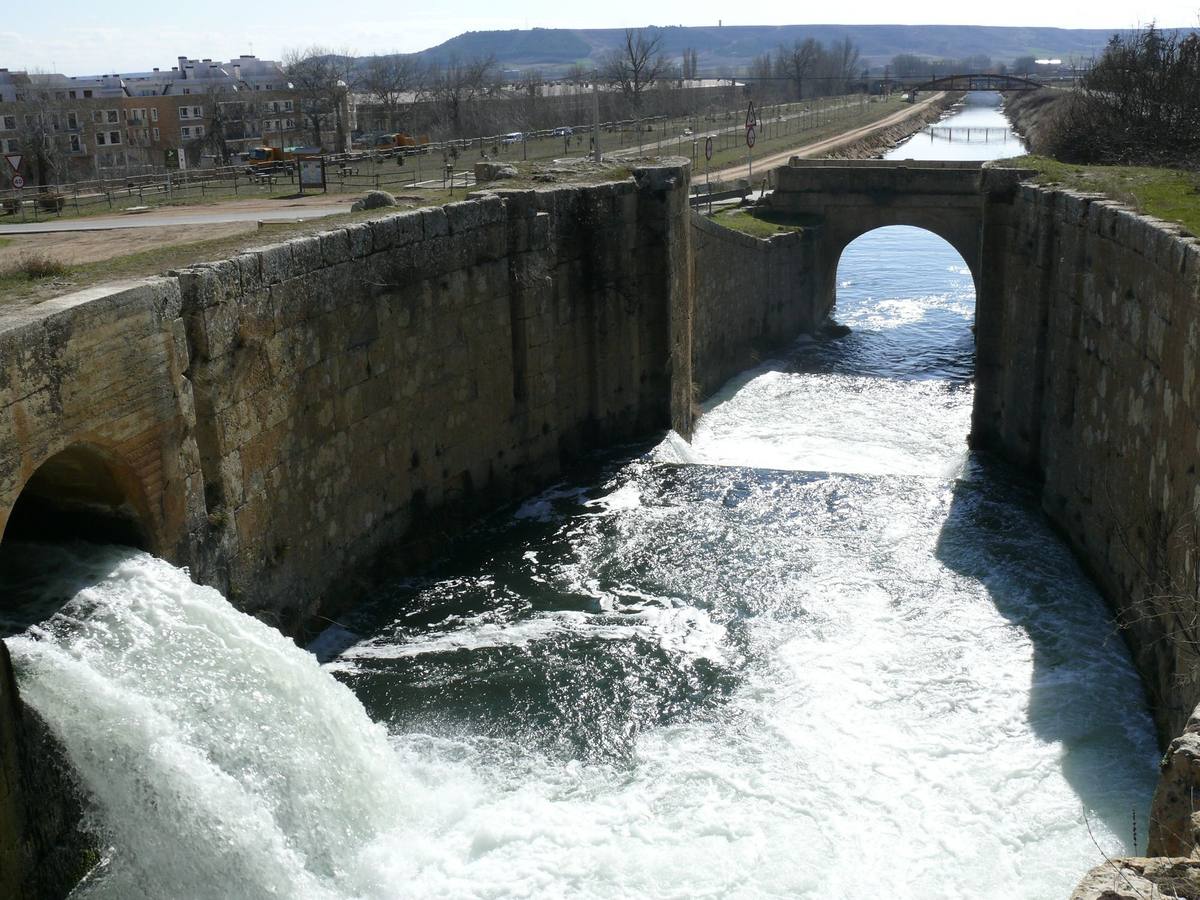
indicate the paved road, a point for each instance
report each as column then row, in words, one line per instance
column 168, row 219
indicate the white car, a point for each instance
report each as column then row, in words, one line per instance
column 514, row 137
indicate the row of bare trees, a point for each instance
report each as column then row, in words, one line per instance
column 807, row 68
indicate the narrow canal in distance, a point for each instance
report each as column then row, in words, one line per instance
column 821, row 651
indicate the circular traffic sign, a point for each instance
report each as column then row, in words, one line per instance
column 708, row 149
column 750, row 136
column 18, row 182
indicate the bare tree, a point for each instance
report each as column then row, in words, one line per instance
column 42, row 119
column 391, row 82
column 635, row 65
column 457, row 85
column 798, row 62
column 322, row 79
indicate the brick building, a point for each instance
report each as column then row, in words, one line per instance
column 114, row 125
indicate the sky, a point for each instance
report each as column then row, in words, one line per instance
column 82, row 37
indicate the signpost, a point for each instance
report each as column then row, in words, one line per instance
column 751, row 120
column 18, row 182
column 708, row 151
column 312, row 172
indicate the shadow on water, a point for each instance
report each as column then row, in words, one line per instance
column 1080, row 695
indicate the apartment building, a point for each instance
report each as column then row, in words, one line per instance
column 113, row 125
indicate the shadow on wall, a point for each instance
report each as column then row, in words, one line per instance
column 996, row 533
column 79, row 494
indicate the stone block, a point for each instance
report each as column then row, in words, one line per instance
column 335, row 247
column 307, row 255
column 463, row 217
column 276, row 263
column 383, row 233
column 360, row 239
column 434, row 223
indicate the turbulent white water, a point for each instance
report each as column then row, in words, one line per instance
column 819, row 652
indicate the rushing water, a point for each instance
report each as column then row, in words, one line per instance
column 818, row 652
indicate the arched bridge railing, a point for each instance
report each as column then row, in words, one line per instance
column 980, row 81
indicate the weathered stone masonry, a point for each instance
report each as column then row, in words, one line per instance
column 751, row 296
column 367, row 386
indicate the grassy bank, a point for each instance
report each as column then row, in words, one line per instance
column 755, row 224
column 1169, row 194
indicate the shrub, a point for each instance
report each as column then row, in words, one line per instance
column 1139, row 104
column 37, row 265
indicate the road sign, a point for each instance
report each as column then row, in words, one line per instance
column 18, row 182
column 750, row 136
column 171, row 157
column 750, row 118
column 708, row 148
column 14, row 160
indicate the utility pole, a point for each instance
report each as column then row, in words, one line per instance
column 596, row 118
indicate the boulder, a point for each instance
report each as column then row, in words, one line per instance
column 373, row 200
column 487, row 170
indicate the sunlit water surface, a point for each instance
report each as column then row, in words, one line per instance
column 818, row 652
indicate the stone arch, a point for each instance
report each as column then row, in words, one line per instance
column 960, row 229
column 84, row 492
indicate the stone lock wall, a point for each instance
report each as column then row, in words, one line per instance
column 751, row 296
column 370, row 385
column 1088, row 348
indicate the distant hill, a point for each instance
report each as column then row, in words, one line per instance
column 733, row 46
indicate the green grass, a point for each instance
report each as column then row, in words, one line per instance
column 747, row 222
column 1169, row 194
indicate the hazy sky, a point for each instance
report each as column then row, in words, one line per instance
column 84, row 37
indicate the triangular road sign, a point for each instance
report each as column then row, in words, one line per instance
column 14, row 160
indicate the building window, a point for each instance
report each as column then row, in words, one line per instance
column 154, row 114
column 187, row 90
column 114, row 137
column 72, row 95
column 10, row 123
column 185, row 132
column 87, row 94
column 291, row 123
column 97, row 116
column 100, row 141
column 72, row 121
column 12, row 145
column 183, row 112
column 287, row 105
column 75, row 147
column 199, row 129
column 197, row 112
column 156, row 134
column 112, row 116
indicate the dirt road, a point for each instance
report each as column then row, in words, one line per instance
column 731, row 173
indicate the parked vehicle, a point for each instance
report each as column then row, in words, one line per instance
column 564, row 131
column 514, row 137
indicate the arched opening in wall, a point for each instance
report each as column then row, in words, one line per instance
column 80, row 494
column 908, row 298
